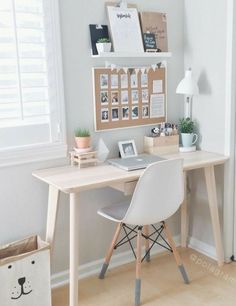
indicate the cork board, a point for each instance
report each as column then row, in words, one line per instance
column 122, row 98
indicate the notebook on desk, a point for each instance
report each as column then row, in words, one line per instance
column 135, row 163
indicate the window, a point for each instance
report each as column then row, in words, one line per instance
column 31, row 87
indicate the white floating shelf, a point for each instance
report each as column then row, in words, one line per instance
column 133, row 54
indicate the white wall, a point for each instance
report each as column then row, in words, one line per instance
column 75, row 17
column 23, row 199
column 205, row 52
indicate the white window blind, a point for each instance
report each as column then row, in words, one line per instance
column 30, row 74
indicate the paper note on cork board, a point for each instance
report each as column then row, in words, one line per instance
column 156, row 23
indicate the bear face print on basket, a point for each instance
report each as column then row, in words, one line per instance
column 25, row 273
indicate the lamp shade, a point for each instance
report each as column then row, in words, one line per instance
column 188, row 86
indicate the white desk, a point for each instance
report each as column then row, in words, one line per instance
column 72, row 181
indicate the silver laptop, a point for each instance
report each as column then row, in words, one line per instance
column 134, row 163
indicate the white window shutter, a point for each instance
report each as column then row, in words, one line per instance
column 31, row 85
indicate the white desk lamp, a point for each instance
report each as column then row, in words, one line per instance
column 188, row 87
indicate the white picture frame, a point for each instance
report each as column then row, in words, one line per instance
column 127, row 149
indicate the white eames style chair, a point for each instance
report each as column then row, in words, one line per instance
column 157, row 196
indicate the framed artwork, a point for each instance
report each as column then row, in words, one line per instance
column 127, row 149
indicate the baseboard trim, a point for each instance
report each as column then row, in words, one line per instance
column 202, row 247
column 62, row 278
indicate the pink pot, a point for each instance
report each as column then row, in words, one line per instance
column 82, row 142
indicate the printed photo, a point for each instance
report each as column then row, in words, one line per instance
column 127, row 149
column 124, row 80
column 104, row 81
column 104, row 115
column 114, row 81
column 134, row 96
column 114, row 97
column 115, row 114
column 125, row 113
column 145, row 111
column 135, row 112
column 145, row 96
column 104, row 97
column 134, row 80
column 144, row 80
column 124, row 97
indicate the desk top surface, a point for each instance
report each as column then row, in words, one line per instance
column 71, row 179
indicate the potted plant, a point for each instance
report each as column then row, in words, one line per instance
column 82, row 138
column 103, row 45
column 186, row 127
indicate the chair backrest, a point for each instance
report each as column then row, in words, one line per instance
column 158, row 194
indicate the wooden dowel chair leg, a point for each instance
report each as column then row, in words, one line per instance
column 138, row 268
column 176, row 253
column 147, row 244
column 110, row 251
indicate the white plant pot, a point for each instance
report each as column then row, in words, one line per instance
column 103, row 47
column 188, row 139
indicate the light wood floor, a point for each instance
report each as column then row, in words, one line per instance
column 161, row 284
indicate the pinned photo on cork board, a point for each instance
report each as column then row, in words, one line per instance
column 114, row 81
column 115, row 113
column 116, row 107
column 134, row 80
column 115, row 97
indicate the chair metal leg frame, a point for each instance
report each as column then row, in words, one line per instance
column 128, row 231
column 176, row 253
column 158, row 232
column 127, row 235
column 129, row 240
column 155, row 241
column 137, row 232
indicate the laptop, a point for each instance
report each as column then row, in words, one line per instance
column 141, row 161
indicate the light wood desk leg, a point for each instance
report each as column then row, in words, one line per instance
column 74, row 248
column 53, row 199
column 212, row 198
column 184, row 216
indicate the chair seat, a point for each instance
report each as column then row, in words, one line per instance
column 115, row 212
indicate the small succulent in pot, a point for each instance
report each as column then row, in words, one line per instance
column 82, row 138
column 103, row 45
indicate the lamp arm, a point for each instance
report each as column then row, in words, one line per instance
column 188, row 107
